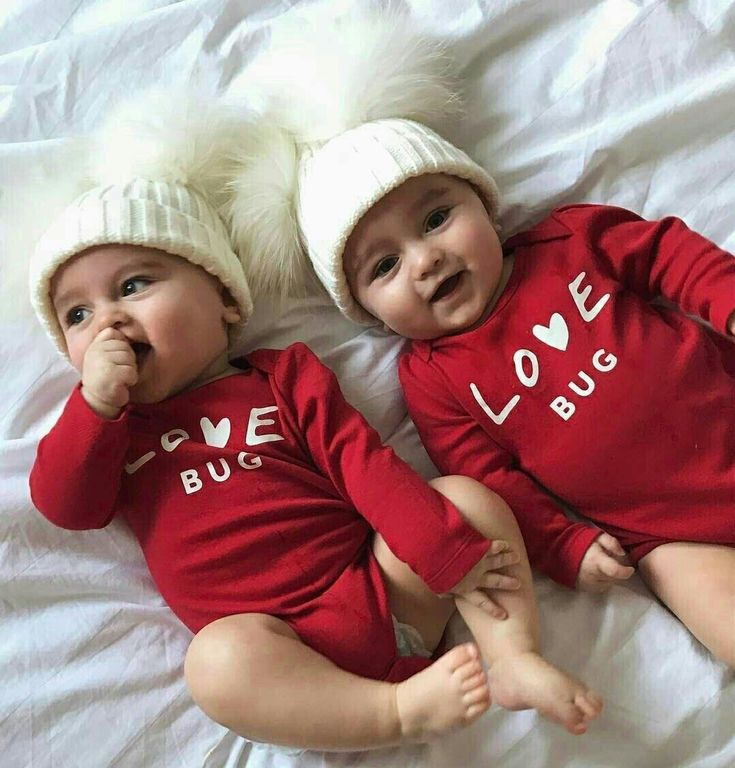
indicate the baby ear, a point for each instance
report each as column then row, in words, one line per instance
column 230, row 311
column 231, row 314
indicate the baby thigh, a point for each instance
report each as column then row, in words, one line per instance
column 254, row 675
column 697, row 582
column 411, row 601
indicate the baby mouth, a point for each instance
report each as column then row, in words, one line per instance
column 446, row 287
column 141, row 350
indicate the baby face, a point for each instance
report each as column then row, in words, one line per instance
column 170, row 311
column 426, row 259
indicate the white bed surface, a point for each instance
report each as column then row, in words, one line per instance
column 629, row 103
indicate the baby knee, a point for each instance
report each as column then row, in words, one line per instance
column 470, row 496
column 206, row 666
column 222, row 663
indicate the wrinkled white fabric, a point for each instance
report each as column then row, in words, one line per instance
column 609, row 101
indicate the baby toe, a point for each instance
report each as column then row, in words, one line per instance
column 462, row 656
column 589, row 703
column 475, row 710
column 476, row 680
column 477, row 696
column 573, row 719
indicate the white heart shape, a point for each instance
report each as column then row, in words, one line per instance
column 215, row 436
column 555, row 334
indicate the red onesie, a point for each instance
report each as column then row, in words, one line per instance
column 259, row 492
column 576, row 382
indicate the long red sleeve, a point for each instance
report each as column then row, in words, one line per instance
column 419, row 525
column 659, row 258
column 75, row 479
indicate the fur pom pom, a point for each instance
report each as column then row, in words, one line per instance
column 319, row 77
column 323, row 76
column 165, row 136
column 261, row 212
column 38, row 184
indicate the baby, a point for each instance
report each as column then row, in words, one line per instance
column 312, row 563
column 541, row 364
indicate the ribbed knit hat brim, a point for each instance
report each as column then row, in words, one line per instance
column 164, row 215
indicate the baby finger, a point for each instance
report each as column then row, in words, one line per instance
column 484, row 602
column 494, row 562
column 121, row 356
column 498, row 546
column 611, row 544
column 500, row 581
column 613, row 570
column 129, row 375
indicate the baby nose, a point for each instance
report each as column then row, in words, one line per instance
column 426, row 261
column 112, row 317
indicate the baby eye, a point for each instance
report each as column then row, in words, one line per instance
column 133, row 285
column 385, row 265
column 436, row 219
column 77, row 315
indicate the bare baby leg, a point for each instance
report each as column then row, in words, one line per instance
column 252, row 674
column 413, row 603
column 520, row 678
column 697, row 582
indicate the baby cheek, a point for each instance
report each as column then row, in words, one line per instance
column 397, row 308
column 77, row 348
column 359, row 292
column 390, row 302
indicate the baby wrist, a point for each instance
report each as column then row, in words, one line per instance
column 101, row 408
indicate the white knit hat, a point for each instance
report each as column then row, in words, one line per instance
column 347, row 112
column 163, row 211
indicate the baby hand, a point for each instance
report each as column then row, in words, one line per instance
column 731, row 324
column 604, row 563
column 483, row 577
column 108, row 371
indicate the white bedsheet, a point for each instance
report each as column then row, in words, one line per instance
column 611, row 101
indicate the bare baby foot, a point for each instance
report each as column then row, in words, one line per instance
column 527, row 681
column 451, row 693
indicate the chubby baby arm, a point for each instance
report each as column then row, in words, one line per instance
column 78, row 468
column 108, row 372
column 604, row 564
